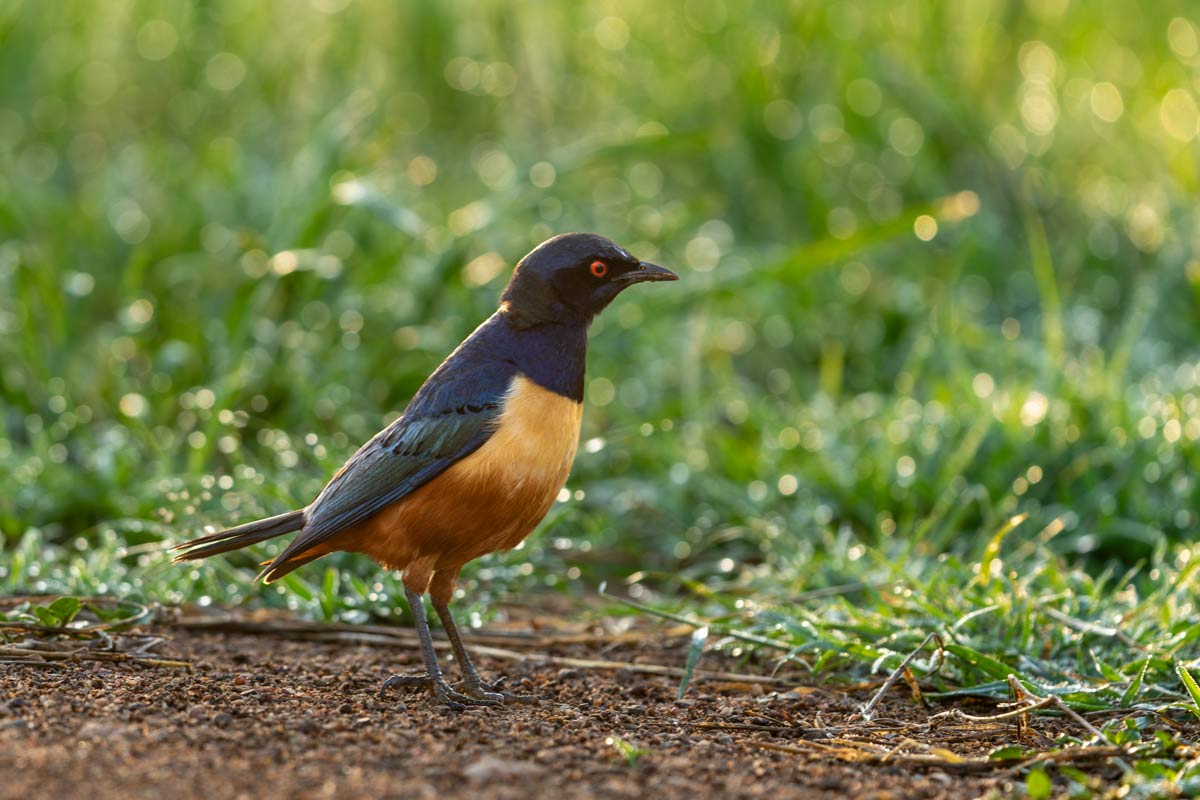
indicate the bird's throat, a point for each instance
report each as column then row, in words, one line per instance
column 552, row 355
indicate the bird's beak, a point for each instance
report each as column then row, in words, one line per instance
column 648, row 272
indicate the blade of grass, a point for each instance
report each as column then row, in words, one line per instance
column 695, row 649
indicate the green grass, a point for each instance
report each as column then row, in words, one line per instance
column 235, row 237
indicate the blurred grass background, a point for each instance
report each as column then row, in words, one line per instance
column 937, row 271
column 932, row 367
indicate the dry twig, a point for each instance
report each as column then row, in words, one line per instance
column 899, row 671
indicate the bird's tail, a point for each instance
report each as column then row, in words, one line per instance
column 239, row 537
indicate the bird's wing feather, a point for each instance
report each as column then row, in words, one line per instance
column 451, row 417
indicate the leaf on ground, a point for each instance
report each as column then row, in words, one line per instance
column 59, row 612
column 1038, row 785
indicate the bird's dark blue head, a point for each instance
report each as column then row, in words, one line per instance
column 571, row 278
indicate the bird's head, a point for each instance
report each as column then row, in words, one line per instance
column 571, row 278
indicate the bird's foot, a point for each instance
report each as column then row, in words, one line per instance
column 470, row 692
column 496, row 689
column 441, row 690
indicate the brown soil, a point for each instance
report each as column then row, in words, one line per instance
column 257, row 715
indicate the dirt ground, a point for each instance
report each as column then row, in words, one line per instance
column 298, row 714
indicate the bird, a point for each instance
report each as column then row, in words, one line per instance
column 476, row 459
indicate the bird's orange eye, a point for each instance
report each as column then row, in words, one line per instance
column 599, row 269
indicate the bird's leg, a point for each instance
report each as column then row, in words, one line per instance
column 432, row 679
column 472, row 683
column 441, row 591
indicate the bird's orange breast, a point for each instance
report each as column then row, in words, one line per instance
column 489, row 500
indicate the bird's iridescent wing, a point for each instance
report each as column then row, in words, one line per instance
column 451, row 417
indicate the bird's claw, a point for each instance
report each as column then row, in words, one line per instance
column 484, row 696
column 496, row 689
column 405, row 682
column 474, row 693
column 449, row 697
